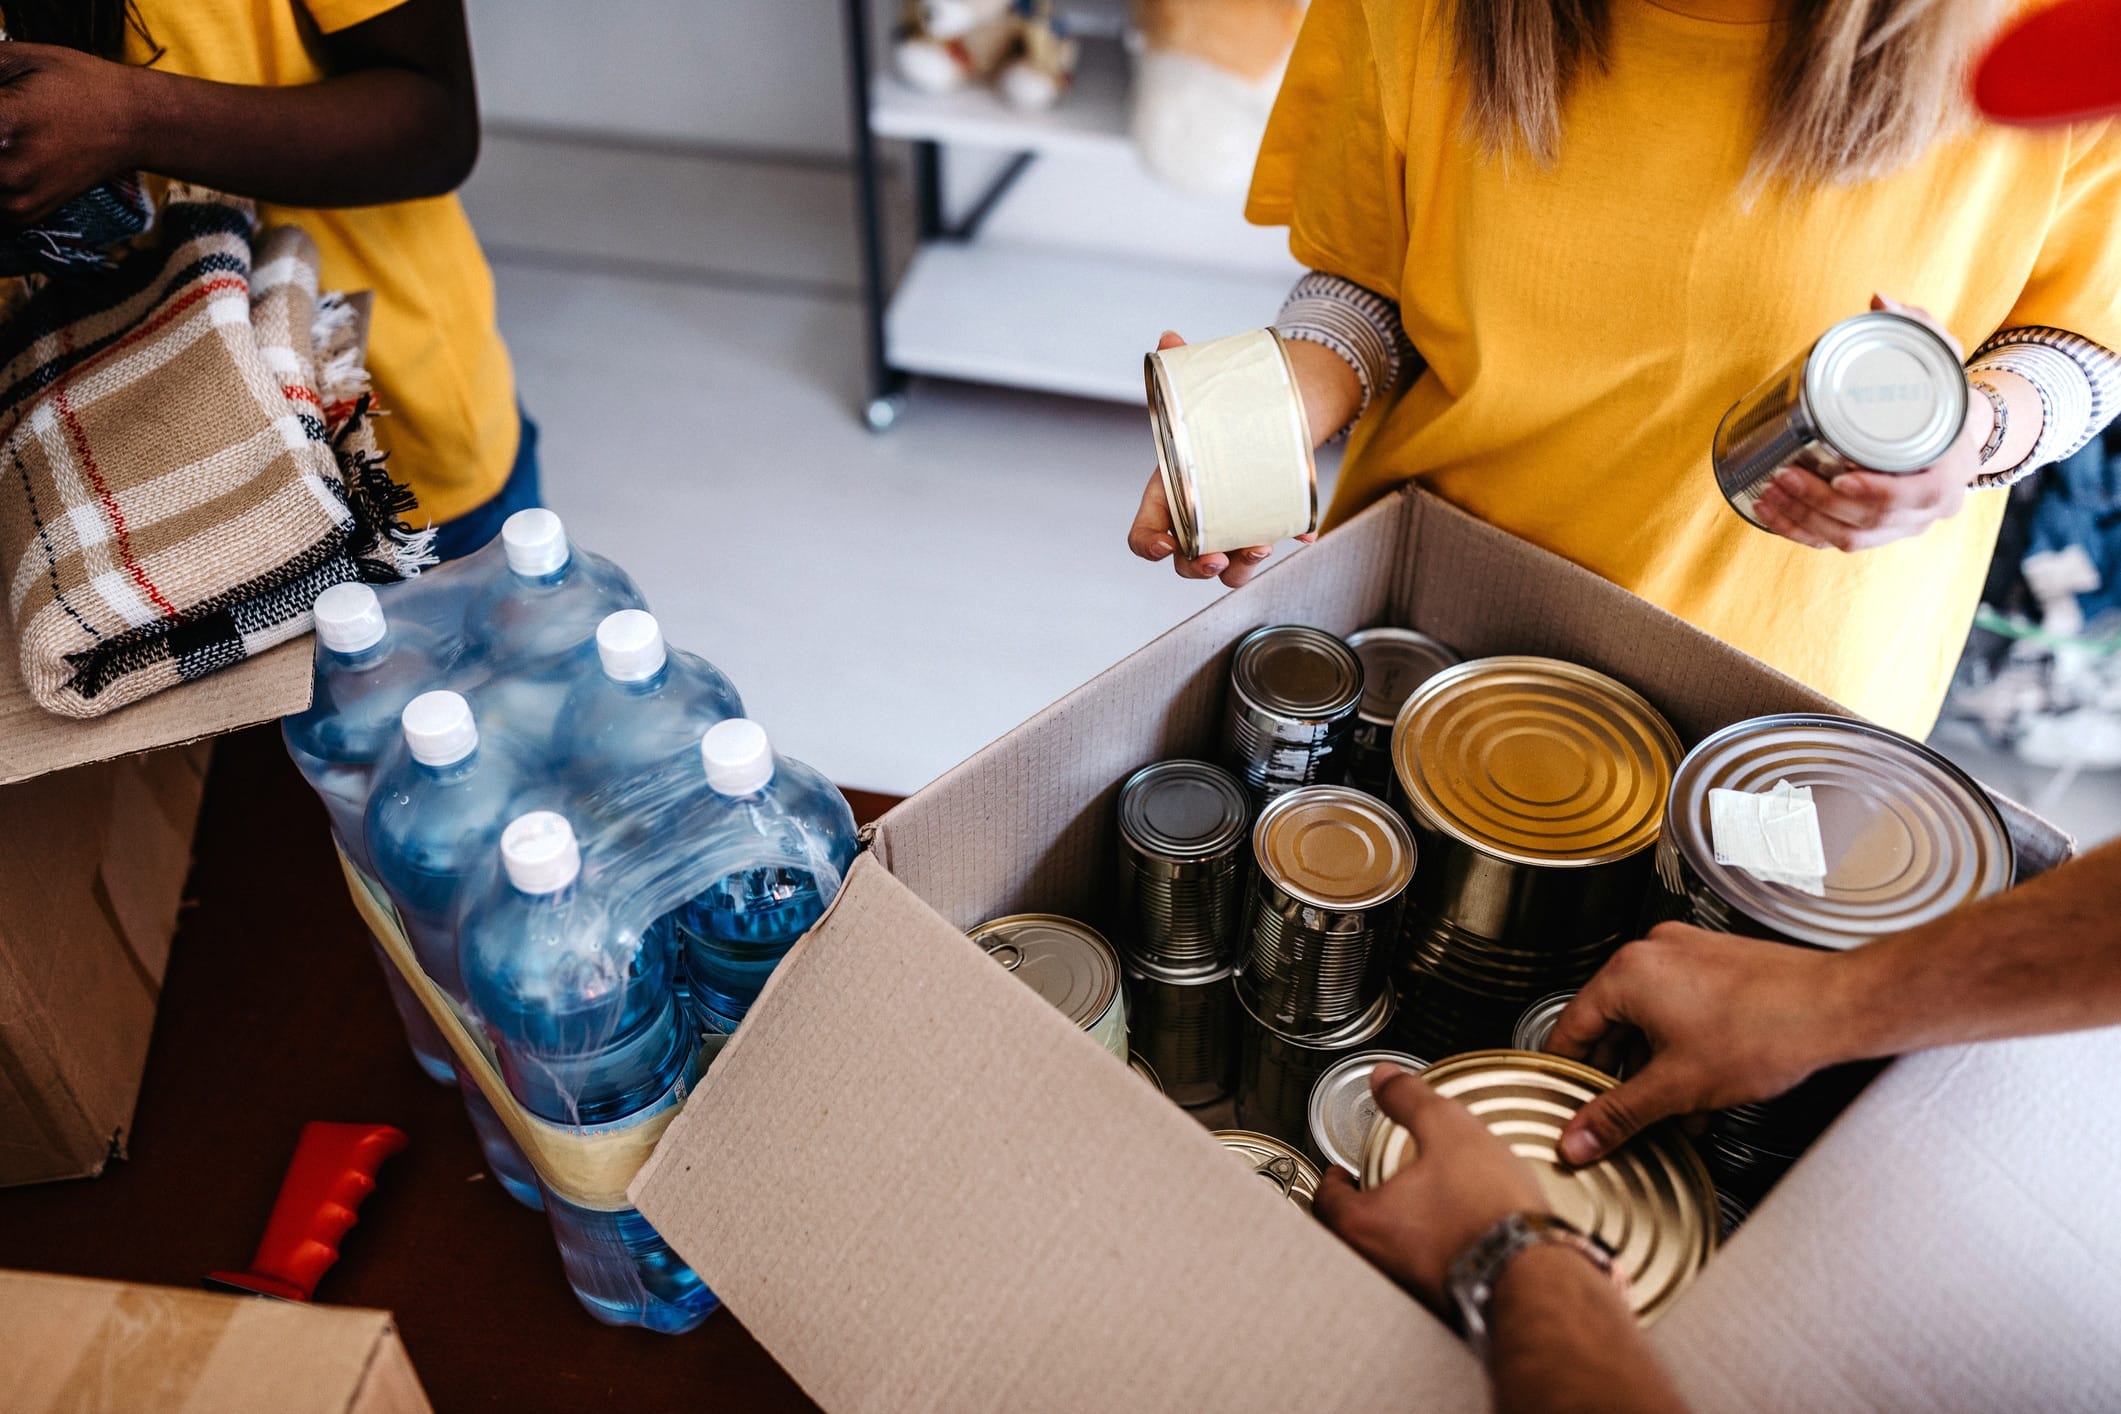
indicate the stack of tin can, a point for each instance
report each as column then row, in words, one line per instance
column 1182, row 866
column 1332, row 866
column 1907, row 838
column 1536, row 789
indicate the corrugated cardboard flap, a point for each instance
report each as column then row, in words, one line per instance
column 921, row 1188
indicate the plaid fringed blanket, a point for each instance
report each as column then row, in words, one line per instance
column 186, row 461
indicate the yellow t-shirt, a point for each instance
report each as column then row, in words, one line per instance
column 1587, row 325
column 441, row 371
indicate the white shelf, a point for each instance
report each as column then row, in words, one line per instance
column 1061, row 320
column 1091, row 116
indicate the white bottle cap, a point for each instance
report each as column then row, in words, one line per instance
column 439, row 728
column 630, row 646
column 739, row 759
column 535, row 542
column 349, row 618
column 539, row 852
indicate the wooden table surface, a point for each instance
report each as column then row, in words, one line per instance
column 274, row 1013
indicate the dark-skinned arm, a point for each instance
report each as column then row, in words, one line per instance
column 396, row 120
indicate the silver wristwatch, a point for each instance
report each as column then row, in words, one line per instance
column 1472, row 1277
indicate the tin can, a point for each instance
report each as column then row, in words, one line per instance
column 1880, row 391
column 1395, row 661
column 1277, row 1070
column 1141, row 1067
column 1293, row 696
column 1342, row 1110
column 1730, row 1215
column 1232, row 444
column 1650, row 1201
column 1185, row 1025
column 1537, row 1023
column 1536, row 789
column 1069, row 964
column 1909, row 837
column 1278, row 1163
column 1324, row 910
column 1182, row 832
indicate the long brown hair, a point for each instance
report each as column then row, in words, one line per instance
column 1855, row 89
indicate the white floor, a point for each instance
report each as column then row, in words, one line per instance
column 687, row 333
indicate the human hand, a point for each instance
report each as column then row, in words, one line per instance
column 1724, row 1020
column 1461, row 1182
column 1152, row 538
column 1861, row 510
column 65, row 126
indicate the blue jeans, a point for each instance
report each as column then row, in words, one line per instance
column 457, row 538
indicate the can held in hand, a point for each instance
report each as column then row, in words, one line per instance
column 1537, row 1023
column 1232, row 443
column 1395, row 661
column 1069, row 964
column 1278, row 1163
column 1185, row 1025
column 1343, row 1111
column 1293, row 696
column 1277, row 1070
column 1880, row 391
column 1182, row 832
column 1650, row 1201
column 1323, row 919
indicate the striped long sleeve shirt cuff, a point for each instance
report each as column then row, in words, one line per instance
column 2079, row 383
column 1359, row 324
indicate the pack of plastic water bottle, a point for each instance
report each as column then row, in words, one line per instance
column 590, row 853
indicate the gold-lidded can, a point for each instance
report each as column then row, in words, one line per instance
column 1232, row 443
column 1279, row 1163
column 1183, row 826
column 1069, row 964
column 1650, row 1201
column 1343, row 1111
column 1334, row 864
column 1395, row 661
column 1880, row 391
column 1294, row 691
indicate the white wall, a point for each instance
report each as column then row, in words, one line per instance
column 765, row 74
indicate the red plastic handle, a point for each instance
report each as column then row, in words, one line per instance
column 2060, row 64
column 333, row 1170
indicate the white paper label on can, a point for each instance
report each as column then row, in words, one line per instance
column 1772, row 835
column 1245, row 428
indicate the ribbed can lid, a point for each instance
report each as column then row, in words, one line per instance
column 1343, row 1110
column 1650, row 1201
column 1908, row 836
column 1536, row 761
column 1279, row 1164
column 1293, row 671
column 1395, row 661
column 1184, row 810
column 1886, row 391
column 1537, row 1023
column 1068, row 963
column 1334, row 847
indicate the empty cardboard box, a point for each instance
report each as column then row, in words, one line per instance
column 84, row 1347
column 96, row 821
column 922, row 1188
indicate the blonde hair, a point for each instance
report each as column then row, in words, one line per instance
column 1854, row 89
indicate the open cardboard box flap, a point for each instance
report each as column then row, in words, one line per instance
column 922, row 1189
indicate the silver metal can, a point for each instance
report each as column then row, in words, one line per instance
column 1323, row 918
column 1182, row 831
column 1185, row 1025
column 1069, row 964
column 1277, row 1070
column 1342, row 1109
column 1880, row 391
column 1537, row 1023
column 1232, row 444
column 1275, row 1161
column 1293, row 696
column 1395, row 661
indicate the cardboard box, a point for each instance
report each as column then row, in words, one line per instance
column 96, row 823
column 921, row 1188
column 78, row 1346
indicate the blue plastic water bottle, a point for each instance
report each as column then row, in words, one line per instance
column 643, row 710
column 434, row 818
column 367, row 669
column 588, row 1034
column 777, row 838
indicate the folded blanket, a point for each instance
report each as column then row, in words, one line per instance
column 186, row 461
column 79, row 237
